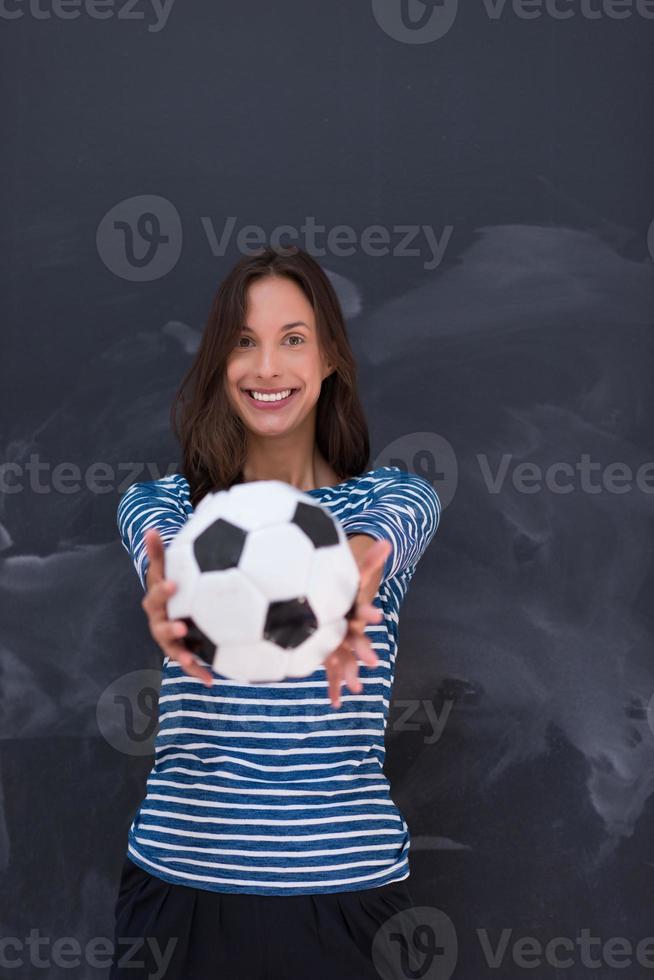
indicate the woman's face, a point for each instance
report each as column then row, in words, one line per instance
column 277, row 349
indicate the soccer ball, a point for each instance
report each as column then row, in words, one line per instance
column 265, row 581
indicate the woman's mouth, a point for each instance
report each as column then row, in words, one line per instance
column 270, row 401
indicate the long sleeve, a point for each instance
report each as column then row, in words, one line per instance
column 405, row 510
column 150, row 504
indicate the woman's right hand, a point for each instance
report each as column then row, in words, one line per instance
column 166, row 632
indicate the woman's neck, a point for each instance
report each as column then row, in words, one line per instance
column 317, row 473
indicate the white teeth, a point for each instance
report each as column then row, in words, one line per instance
column 271, row 398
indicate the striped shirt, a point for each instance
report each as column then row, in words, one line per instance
column 268, row 789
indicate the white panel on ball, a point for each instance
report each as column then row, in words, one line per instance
column 312, row 651
column 260, row 503
column 278, row 561
column 181, row 568
column 256, row 663
column 228, row 607
column 333, row 573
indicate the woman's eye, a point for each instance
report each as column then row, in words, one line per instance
column 294, row 336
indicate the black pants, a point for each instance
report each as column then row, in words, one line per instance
column 176, row 932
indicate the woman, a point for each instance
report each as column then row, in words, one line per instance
column 267, row 844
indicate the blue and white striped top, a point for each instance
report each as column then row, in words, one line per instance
column 267, row 789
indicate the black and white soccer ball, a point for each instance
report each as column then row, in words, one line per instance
column 265, row 581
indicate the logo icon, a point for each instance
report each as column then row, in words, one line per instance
column 140, row 238
column 427, row 454
column 128, row 712
column 418, row 943
column 415, row 21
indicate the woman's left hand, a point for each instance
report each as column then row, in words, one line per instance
column 341, row 665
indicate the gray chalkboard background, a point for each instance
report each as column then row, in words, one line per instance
column 479, row 185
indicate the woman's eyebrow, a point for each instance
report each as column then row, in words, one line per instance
column 284, row 329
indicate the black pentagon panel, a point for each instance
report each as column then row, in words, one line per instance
column 316, row 524
column 289, row 622
column 198, row 642
column 219, row 546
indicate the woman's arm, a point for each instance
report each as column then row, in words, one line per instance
column 146, row 508
column 360, row 544
column 150, row 504
column 405, row 510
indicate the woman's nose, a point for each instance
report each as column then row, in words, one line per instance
column 267, row 361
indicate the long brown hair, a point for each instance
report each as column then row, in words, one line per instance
column 212, row 436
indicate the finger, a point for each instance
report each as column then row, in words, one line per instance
column 363, row 616
column 351, row 675
column 191, row 665
column 156, row 600
column 155, row 551
column 168, row 630
column 355, row 628
column 374, row 560
column 360, row 644
column 366, row 653
column 176, row 649
column 372, row 614
column 376, row 555
column 334, row 678
column 172, row 638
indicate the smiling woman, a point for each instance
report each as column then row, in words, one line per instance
column 275, row 324
column 276, row 789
